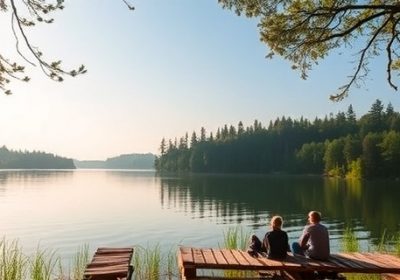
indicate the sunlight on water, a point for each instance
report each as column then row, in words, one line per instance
column 65, row 209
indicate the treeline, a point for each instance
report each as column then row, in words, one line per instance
column 128, row 161
column 10, row 159
column 337, row 145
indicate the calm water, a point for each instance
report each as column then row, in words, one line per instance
column 63, row 210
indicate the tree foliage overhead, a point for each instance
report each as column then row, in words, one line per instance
column 306, row 31
column 26, row 14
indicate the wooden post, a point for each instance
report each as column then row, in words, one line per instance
column 188, row 273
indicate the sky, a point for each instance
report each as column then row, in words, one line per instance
column 164, row 69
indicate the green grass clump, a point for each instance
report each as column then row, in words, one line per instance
column 151, row 264
column 80, row 261
column 396, row 245
column 12, row 261
column 349, row 241
column 43, row 265
column 236, row 238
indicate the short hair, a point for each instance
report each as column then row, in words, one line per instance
column 315, row 215
column 276, row 221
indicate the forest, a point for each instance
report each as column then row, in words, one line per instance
column 340, row 145
column 10, row 159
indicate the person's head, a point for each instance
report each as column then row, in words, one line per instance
column 276, row 222
column 314, row 217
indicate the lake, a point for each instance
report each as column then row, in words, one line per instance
column 63, row 210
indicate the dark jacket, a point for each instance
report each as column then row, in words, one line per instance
column 276, row 244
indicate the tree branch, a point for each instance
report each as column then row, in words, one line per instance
column 345, row 89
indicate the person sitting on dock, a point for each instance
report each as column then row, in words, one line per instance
column 314, row 242
column 275, row 242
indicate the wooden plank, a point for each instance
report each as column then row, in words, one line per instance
column 111, row 257
column 186, row 255
column 374, row 261
column 291, row 262
column 105, row 263
column 107, row 249
column 198, row 256
column 362, row 263
column 229, row 257
column 109, row 267
column 219, row 257
column 251, row 260
column 114, row 255
column 239, row 257
column 350, row 266
column 105, row 260
column 391, row 276
column 338, row 264
column 209, row 256
column 390, row 259
column 121, row 272
column 271, row 264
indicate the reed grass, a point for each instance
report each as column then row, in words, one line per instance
column 80, row 261
column 12, row 261
column 151, row 264
column 396, row 245
column 349, row 241
column 43, row 265
column 236, row 238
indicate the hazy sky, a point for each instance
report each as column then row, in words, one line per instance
column 167, row 68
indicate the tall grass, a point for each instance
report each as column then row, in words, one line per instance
column 151, row 264
column 236, row 238
column 396, row 246
column 80, row 260
column 349, row 241
column 12, row 262
column 43, row 265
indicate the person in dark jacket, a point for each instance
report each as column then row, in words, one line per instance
column 275, row 242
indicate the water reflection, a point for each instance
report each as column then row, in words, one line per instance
column 367, row 206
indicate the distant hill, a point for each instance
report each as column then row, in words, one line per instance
column 129, row 161
column 10, row 159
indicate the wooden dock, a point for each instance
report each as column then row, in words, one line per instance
column 192, row 259
column 110, row 264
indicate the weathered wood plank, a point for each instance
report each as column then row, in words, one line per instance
column 198, row 256
column 391, row 276
column 350, row 265
column 107, row 268
column 251, row 260
column 209, row 256
column 186, row 255
column 294, row 262
column 375, row 261
column 219, row 257
column 108, row 272
column 271, row 264
column 110, row 263
column 106, row 263
column 390, row 259
column 229, row 257
column 239, row 257
column 108, row 260
column 111, row 249
column 362, row 263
